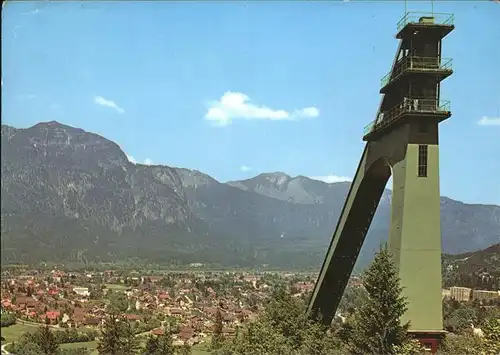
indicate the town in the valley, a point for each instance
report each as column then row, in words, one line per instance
column 183, row 303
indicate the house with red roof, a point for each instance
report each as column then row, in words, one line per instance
column 157, row 331
column 51, row 317
column 134, row 317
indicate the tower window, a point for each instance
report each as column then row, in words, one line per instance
column 422, row 160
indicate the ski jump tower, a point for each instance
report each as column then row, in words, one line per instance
column 403, row 142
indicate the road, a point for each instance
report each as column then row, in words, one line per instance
column 5, row 352
column 34, row 324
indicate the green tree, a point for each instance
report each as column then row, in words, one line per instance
column 185, row 350
column 7, row 319
column 152, row 345
column 377, row 322
column 165, row 344
column 460, row 320
column 410, row 347
column 109, row 293
column 217, row 336
column 260, row 338
column 110, row 342
column 464, row 344
column 352, row 298
column 491, row 331
column 46, row 340
column 41, row 342
column 25, row 348
column 171, row 325
column 129, row 342
column 318, row 340
column 118, row 302
column 283, row 328
column 117, row 337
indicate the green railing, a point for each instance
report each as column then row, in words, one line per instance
column 428, row 64
column 369, row 127
column 412, row 105
column 416, row 106
column 426, row 18
column 444, row 106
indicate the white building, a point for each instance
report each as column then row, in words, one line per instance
column 81, row 291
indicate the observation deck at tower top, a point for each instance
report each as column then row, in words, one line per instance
column 436, row 25
column 439, row 23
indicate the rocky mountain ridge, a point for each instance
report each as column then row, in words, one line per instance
column 72, row 195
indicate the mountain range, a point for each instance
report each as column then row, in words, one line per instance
column 71, row 195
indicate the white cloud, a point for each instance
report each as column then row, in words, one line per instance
column 146, row 161
column 99, row 100
column 331, row 178
column 236, row 105
column 131, row 159
column 489, row 121
column 245, row 168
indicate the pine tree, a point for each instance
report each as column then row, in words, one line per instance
column 410, row 347
column 166, row 346
column 160, row 345
column 377, row 325
column 288, row 316
column 110, row 342
column 129, row 343
column 46, row 340
column 217, row 336
column 152, row 345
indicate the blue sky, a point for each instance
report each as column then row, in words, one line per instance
column 171, row 82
